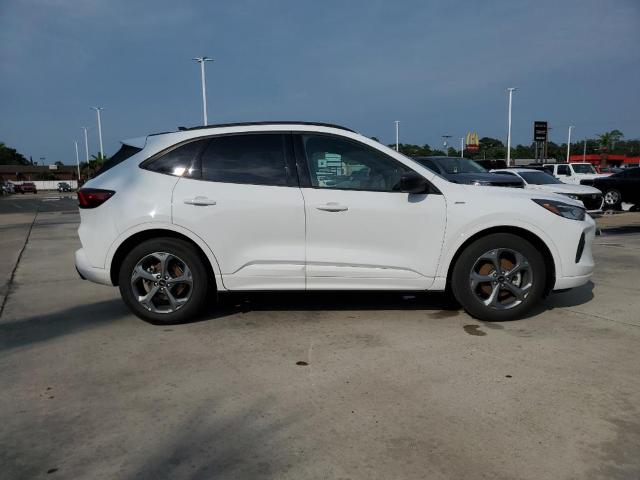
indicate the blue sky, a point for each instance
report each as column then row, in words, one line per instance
column 438, row 67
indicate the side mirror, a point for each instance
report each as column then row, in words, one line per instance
column 411, row 182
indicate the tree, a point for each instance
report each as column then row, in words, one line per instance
column 10, row 156
column 608, row 140
column 59, row 163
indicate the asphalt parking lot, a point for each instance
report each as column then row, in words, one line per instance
column 336, row 386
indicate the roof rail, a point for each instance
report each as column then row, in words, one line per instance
column 247, row 124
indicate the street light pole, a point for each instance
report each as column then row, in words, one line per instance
column 569, row 142
column 201, row 61
column 77, row 162
column 397, row 122
column 86, row 144
column 510, row 90
column 98, row 109
column 444, row 144
column 461, row 147
column 584, row 151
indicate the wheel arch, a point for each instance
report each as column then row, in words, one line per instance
column 534, row 239
column 153, row 233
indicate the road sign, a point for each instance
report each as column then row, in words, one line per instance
column 540, row 131
column 472, row 143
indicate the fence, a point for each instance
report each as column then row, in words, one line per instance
column 49, row 184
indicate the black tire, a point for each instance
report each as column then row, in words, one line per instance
column 612, row 199
column 508, row 244
column 199, row 291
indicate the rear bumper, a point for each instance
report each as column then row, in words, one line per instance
column 88, row 272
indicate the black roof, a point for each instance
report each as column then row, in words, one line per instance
column 247, row 124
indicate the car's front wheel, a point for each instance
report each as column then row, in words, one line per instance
column 499, row 277
column 164, row 281
column 612, row 199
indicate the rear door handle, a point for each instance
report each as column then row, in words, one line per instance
column 332, row 207
column 199, row 201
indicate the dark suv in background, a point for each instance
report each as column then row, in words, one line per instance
column 25, row 187
column 464, row 170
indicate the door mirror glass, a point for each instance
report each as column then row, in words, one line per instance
column 411, row 182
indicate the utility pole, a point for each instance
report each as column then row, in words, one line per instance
column 86, row 145
column 98, row 110
column 201, row 61
column 77, row 162
column 397, row 122
column 461, row 147
column 584, row 150
column 510, row 90
column 569, row 142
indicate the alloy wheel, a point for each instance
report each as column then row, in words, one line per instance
column 501, row 278
column 162, row 282
column 612, row 197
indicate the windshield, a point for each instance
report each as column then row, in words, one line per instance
column 583, row 168
column 539, row 178
column 459, row 165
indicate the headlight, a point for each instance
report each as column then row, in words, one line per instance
column 563, row 209
column 479, row 182
column 570, row 195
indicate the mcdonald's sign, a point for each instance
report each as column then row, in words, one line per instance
column 473, row 145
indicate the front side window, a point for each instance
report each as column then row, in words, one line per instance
column 339, row 163
column 179, row 161
column 257, row 159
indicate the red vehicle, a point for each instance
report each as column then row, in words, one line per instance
column 26, row 187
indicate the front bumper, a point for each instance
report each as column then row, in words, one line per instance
column 88, row 272
column 577, row 269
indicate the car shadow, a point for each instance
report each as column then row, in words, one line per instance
column 236, row 302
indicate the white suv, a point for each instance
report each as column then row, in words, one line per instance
column 174, row 218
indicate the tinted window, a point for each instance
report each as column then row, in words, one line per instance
column 563, row 170
column 428, row 163
column 459, row 165
column 180, row 161
column 257, row 159
column 539, row 178
column 344, row 164
column 120, row 156
column 583, row 168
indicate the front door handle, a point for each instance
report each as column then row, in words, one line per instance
column 199, row 201
column 332, row 207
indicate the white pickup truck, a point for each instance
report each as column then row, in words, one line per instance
column 573, row 172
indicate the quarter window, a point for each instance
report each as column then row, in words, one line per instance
column 257, row 159
column 180, row 161
column 344, row 164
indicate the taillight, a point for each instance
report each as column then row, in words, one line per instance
column 93, row 197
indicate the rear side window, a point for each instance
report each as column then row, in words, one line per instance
column 120, row 156
column 257, row 159
column 563, row 170
column 180, row 161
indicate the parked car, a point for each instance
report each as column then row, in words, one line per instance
column 25, row 187
column 7, row 188
column 543, row 181
column 465, row 170
column 620, row 187
column 573, row 172
column 64, row 187
column 175, row 218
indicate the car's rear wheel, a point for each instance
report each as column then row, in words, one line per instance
column 499, row 277
column 612, row 199
column 164, row 281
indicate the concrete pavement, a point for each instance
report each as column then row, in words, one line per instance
column 316, row 386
